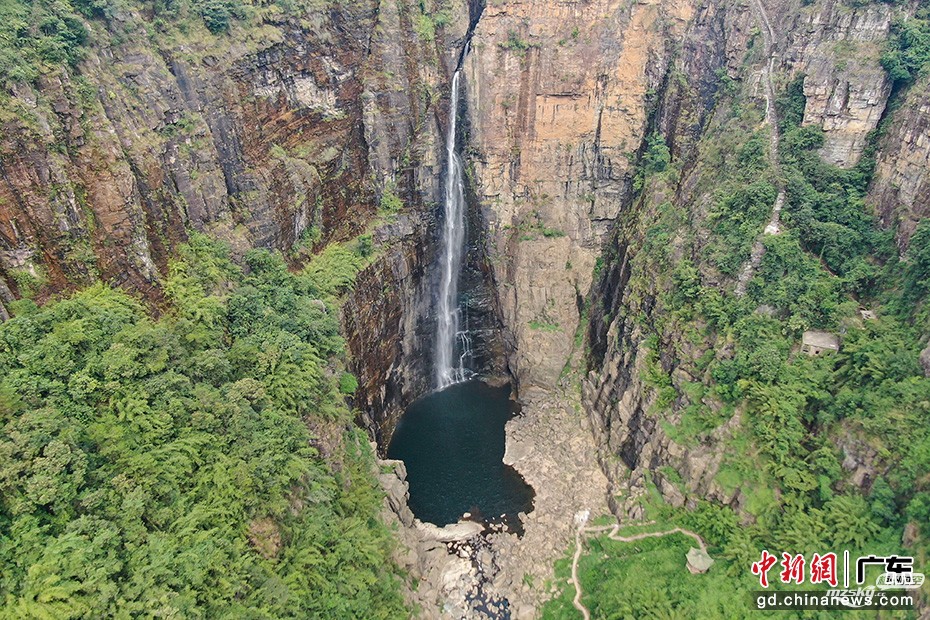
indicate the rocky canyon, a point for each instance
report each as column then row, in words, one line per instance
column 621, row 160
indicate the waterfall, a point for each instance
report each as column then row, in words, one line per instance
column 448, row 333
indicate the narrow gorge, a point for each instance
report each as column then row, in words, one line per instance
column 369, row 308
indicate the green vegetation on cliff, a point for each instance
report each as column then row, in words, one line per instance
column 38, row 36
column 199, row 465
column 820, row 453
column 908, row 50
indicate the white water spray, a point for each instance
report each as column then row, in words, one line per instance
column 448, row 333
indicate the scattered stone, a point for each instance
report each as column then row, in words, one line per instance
column 485, row 559
column 767, row 310
column 468, row 569
column 463, row 530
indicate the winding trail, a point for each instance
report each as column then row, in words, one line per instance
column 579, row 533
column 771, row 118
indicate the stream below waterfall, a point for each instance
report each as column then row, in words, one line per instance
column 452, row 443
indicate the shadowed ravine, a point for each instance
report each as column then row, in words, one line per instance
column 452, row 441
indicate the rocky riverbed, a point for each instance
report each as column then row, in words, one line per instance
column 467, row 570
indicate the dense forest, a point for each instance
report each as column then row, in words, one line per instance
column 203, row 464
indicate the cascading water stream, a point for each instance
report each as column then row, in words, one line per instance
column 450, row 370
column 452, row 441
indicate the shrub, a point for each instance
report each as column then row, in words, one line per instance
column 515, row 43
column 390, row 202
column 425, row 28
column 333, row 271
column 348, row 384
column 908, row 49
column 657, row 156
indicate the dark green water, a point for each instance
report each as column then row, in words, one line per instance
column 452, row 443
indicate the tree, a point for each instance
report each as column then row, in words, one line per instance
column 918, row 256
column 136, row 454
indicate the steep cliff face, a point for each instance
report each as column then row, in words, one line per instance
column 632, row 339
column 838, row 49
column 284, row 133
column 386, row 322
column 558, row 98
column 901, row 189
column 256, row 141
column 388, row 314
column 288, row 132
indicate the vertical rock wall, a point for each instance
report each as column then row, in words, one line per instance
column 255, row 139
column 284, row 133
column 291, row 129
column 559, row 95
column 836, row 48
column 901, row 188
